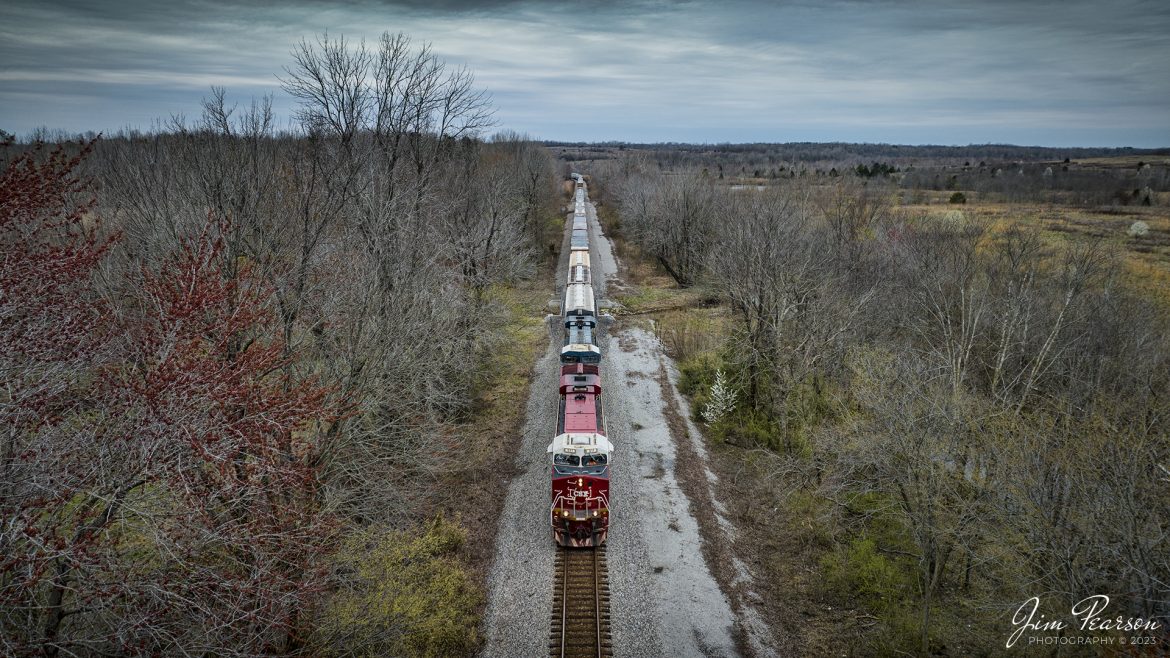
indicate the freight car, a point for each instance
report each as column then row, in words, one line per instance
column 579, row 268
column 579, row 300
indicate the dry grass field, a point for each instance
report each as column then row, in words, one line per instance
column 1143, row 254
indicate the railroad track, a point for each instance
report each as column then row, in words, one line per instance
column 580, row 615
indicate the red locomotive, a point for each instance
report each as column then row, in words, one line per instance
column 581, row 460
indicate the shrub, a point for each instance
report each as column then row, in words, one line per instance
column 858, row 568
column 958, row 197
column 1138, row 229
column 747, row 427
column 696, row 376
column 404, row 595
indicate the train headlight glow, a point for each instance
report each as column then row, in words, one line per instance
column 565, row 513
column 580, row 482
column 594, row 512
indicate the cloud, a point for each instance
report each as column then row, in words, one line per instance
column 894, row 70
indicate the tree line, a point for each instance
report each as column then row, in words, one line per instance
column 236, row 358
column 995, row 173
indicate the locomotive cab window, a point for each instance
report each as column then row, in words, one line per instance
column 566, row 460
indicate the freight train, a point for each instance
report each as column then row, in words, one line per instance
column 581, row 451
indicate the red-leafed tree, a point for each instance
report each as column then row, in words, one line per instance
column 157, row 492
column 236, row 513
column 54, row 338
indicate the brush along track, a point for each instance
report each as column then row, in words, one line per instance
column 580, row 614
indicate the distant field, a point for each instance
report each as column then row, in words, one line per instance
column 1126, row 161
column 1146, row 257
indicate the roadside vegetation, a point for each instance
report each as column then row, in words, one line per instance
column 262, row 387
column 923, row 412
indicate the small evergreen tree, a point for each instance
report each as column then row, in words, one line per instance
column 722, row 400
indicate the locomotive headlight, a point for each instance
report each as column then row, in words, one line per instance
column 565, row 513
column 594, row 512
column 580, row 482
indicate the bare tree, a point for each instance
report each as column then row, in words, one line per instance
column 952, row 296
column 850, row 210
column 911, row 447
column 329, row 78
column 674, row 219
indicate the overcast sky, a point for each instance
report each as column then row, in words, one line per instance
column 1047, row 72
